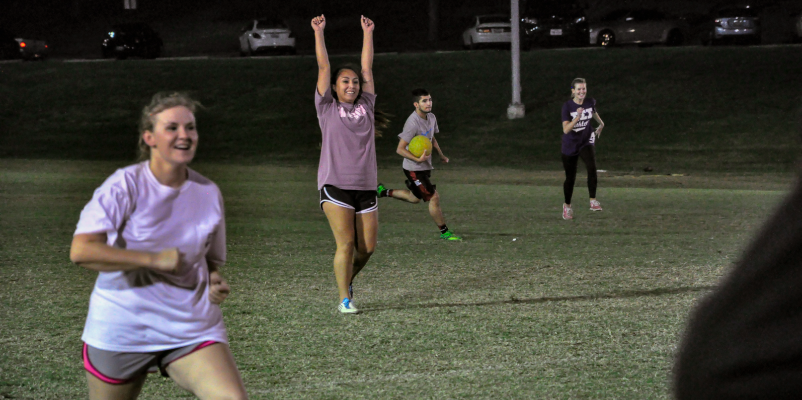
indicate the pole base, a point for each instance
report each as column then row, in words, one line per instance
column 515, row 111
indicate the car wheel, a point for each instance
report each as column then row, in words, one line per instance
column 606, row 39
column 674, row 38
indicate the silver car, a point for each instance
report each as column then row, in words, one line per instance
column 734, row 23
column 641, row 27
column 488, row 29
column 264, row 35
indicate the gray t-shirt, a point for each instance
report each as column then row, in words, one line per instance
column 415, row 126
column 348, row 150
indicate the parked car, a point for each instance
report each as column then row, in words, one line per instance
column 733, row 23
column 638, row 26
column 9, row 48
column 132, row 40
column 554, row 23
column 264, row 35
column 32, row 49
column 488, row 30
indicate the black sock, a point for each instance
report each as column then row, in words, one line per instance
column 386, row 193
column 443, row 229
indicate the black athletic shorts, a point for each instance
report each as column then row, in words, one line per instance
column 419, row 184
column 361, row 201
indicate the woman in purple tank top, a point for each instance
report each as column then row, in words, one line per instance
column 347, row 172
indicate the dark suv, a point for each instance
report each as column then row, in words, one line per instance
column 132, row 40
column 554, row 23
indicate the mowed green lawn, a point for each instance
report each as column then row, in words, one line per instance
column 527, row 306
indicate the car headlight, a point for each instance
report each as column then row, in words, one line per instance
column 580, row 19
column 531, row 21
column 483, row 30
column 111, row 34
column 256, row 35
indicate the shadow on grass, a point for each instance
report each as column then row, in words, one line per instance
column 597, row 296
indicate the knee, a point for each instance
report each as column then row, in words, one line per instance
column 346, row 246
column 366, row 251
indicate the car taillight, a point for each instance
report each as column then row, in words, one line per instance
column 483, row 30
column 22, row 44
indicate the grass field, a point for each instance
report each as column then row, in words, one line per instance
column 528, row 306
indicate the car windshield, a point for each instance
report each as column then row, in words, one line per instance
column 494, row 19
column 553, row 7
column 270, row 24
column 737, row 12
column 129, row 28
column 616, row 15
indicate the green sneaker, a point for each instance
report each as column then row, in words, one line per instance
column 449, row 236
column 380, row 189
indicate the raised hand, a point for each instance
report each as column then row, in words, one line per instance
column 367, row 24
column 218, row 288
column 166, row 260
column 319, row 23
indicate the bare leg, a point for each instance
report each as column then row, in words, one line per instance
column 341, row 221
column 209, row 373
column 435, row 211
column 405, row 195
column 367, row 233
column 99, row 390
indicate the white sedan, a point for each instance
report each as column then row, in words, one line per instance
column 488, row 29
column 264, row 35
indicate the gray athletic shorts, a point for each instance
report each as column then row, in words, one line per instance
column 118, row 368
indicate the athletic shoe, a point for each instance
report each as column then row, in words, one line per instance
column 380, row 189
column 449, row 236
column 568, row 212
column 595, row 206
column 348, row 307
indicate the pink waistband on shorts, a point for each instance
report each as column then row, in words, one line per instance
column 91, row 369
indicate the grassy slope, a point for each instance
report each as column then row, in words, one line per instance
column 590, row 309
column 675, row 109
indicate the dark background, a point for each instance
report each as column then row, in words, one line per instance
column 195, row 27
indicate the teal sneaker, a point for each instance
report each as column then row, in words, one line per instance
column 348, row 307
column 380, row 189
column 449, row 236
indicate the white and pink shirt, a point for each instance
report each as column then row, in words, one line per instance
column 144, row 310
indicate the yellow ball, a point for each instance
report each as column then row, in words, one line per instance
column 419, row 144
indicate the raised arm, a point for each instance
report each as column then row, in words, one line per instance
column 323, row 66
column 367, row 56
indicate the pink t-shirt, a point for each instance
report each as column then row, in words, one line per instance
column 348, row 150
column 143, row 310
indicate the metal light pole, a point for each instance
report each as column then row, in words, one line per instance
column 516, row 109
